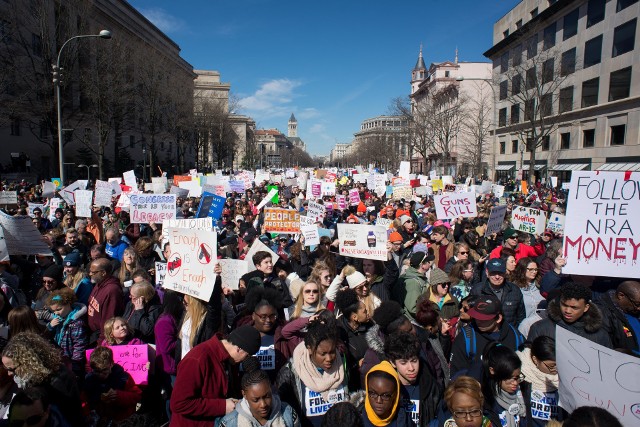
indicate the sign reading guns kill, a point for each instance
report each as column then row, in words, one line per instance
column 191, row 263
column 602, row 224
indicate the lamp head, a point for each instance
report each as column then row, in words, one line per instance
column 459, row 78
column 82, row 166
column 105, row 34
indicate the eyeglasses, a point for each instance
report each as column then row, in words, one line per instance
column 474, row 413
column 512, row 237
column 49, row 282
column 311, row 291
column 532, row 269
column 409, row 220
column 444, row 285
column 266, row 317
column 30, row 421
column 91, row 273
column 463, row 253
column 550, row 368
column 636, row 304
column 385, row 396
column 327, row 277
column 517, row 379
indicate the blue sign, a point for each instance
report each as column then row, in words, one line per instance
column 211, row 205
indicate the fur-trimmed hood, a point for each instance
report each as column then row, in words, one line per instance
column 375, row 341
column 591, row 321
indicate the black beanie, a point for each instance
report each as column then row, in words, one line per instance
column 247, row 338
column 54, row 271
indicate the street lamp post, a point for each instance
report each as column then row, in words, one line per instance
column 495, row 114
column 88, row 170
column 144, row 162
column 104, row 34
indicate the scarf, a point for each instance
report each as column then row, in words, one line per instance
column 371, row 415
column 507, row 400
column 538, row 379
column 246, row 419
column 320, row 382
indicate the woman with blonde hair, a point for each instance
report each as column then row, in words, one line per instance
column 308, row 301
column 142, row 310
column 128, row 266
column 118, row 332
column 359, row 283
column 465, row 402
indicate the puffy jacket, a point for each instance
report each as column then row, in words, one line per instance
column 513, row 309
column 382, row 285
column 617, row 324
column 589, row 326
column 143, row 321
column 72, row 336
column 408, row 289
column 522, row 251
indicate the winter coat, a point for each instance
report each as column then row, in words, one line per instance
column 291, row 335
column 449, row 307
column 257, row 278
column 128, row 394
column 105, row 301
column 408, row 289
column 430, row 395
column 382, row 285
column 531, row 297
column 522, row 251
column 72, row 336
column 285, row 416
column 617, row 324
column 436, row 252
column 166, row 333
column 83, row 290
column 513, row 309
column 143, row 321
column 589, row 326
column 356, row 347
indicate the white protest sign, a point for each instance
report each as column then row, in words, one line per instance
column 232, row 271
column 32, row 206
column 161, row 271
column 363, row 241
column 191, row 263
column 180, row 192
column 272, row 193
column 498, row 190
column 306, row 220
column 485, row 188
column 402, row 192
column 195, row 190
column 22, row 237
column 455, row 205
column 103, row 191
column 566, row 185
column 554, row 181
column 384, row 222
column 424, row 190
column 4, row 252
column 594, row 375
column 496, row 219
column 146, row 208
column 84, row 200
column 432, row 175
column 255, row 247
column 310, row 233
column 130, row 179
column 115, row 184
column 602, row 224
column 204, row 224
column 328, row 188
column 528, row 220
column 54, row 204
column 315, row 211
column 159, row 184
column 405, row 170
column 8, row 197
column 48, row 189
column 556, row 222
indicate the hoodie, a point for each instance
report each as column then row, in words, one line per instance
column 282, row 415
column 398, row 416
column 408, row 289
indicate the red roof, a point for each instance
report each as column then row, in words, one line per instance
column 268, row 132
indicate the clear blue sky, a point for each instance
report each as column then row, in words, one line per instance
column 332, row 63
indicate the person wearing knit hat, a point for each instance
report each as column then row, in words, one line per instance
column 357, row 281
column 395, row 237
column 381, row 406
column 361, row 208
column 439, row 295
column 510, row 240
column 198, row 396
column 352, row 219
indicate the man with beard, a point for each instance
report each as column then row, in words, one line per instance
column 106, row 299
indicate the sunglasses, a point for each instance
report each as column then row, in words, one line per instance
column 463, row 253
column 311, row 291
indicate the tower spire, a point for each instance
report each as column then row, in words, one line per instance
column 456, row 60
column 420, row 63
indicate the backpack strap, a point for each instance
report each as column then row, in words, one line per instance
column 517, row 334
column 469, row 341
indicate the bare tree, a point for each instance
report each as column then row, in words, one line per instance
column 448, row 115
column 421, row 132
column 475, row 145
column 251, row 158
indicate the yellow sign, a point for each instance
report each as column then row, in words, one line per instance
column 436, row 184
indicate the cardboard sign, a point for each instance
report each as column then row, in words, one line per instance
column 84, row 200
column 146, row 208
column 232, row 271
column 354, row 197
column 134, row 359
column 8, row 197
column 130, row 179
column 102, row 194
column 455, row 205
column 22, row 237
column 342, row 202
column 310, row 233
column 496, row 219
column 316, row 211
column 402, row 192
column 363, row 241
column 161, row 271
column 594, row 375
column 528, row 220
column 602, row 224
column 211, row 205
column 204, row 224
column 191, row 263
column 281, row 220
column 556, row 222
column 257, row 246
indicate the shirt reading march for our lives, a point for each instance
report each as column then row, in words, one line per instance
column 544, row 406
column 410, row 400
column 267, row 353
column 315, row 404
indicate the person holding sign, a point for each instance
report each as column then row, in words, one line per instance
column 511, row 241
column 314, row 379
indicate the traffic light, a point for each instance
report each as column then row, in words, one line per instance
column 57, row 75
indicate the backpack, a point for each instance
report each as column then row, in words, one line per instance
column 470, row 340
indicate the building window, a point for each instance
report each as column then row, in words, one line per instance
column 549, row 36
column 534, row 13
column 570, row 24
column 532, row 46
column 516, row 55
column 514, row 146
column 504, row 62
column 546, row 143
column 503, row 147
column 519, row 23
column 623, row 4
column 589, row 138
column 516, row 84
column 515, row 114
column 5, row 31
column 620, row 84
column 565, row 141
column 505, row 33
column 36, row 44
column 547, row 71
column 546, row 105
column 568, row 65
column 502, row 117
column 15, row 126
column 624, row 38
column 504, row 89
column 566, row 100
column 530, row 110
column 132, row 141
column 617, row 134
column 595, row 11
column 593, row 51
column 590, row 92
column 44, row 129
column 531, row 78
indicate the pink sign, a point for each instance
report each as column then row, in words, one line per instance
column 316, row 189
column 342, row 202
column 354, row 197
column 133, row 358
column 219, row 190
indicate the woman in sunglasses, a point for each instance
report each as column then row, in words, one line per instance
column 308, row 301
column 438, row 293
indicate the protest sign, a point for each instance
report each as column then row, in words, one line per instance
column 4, row 252
column 485, row 188
column 102, row 195
column 204, row 224
column 303, row 177
column 177, row 179
column 272, row 193
column 328, row 189
column 22, row 237
column 498, row 190
column 159, row 184
column 594, row 375
column 316, row 188
column 402, row 192
column 32, row 206
column 84, row 200
column 566, row 185
column 232, row 271
column 57, row 182
column 437, row 184
column 8, row 197
column 54, row 204
column 528, row 220
column 180, row 192
column 496, row 219
column 147, row 208
column 363, row 241
column 281, row 220
column 195, row 190
column 262, row 176
column 306, row 220
column 384, row 222
column 257, row 246
column 134, row 359
column 423, row 191
column 130, row 179
column 455, row 205
column 556, row 222
column 310, row 233
column 211, row 205
column 405, row 170
column 48, row 189
column 315, row 211
column 191, row 263
column 161, row 271
column 236, row 186
column 602, row 224
column 342, row 202
column 354, row 197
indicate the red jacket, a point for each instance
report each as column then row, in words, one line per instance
column 106, row 300
column 522, row 251
column 201, row 386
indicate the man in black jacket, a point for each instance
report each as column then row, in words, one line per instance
column 574, row 312
column 510, row 296
column 488, row 325
column 621, row 308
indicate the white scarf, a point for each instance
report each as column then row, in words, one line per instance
column 538, row 379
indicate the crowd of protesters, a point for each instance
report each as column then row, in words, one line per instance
column 456, row 327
